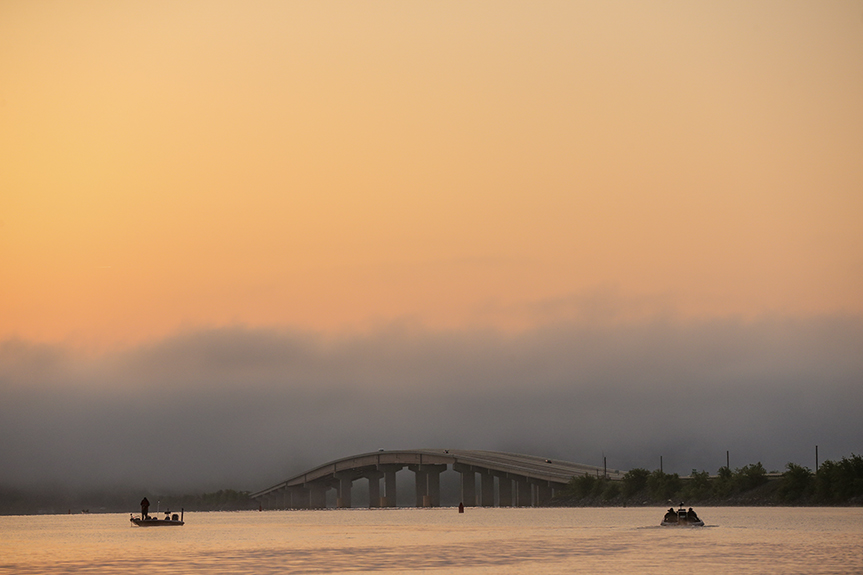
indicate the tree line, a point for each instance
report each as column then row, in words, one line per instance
column 222, row 500
column 833, row 483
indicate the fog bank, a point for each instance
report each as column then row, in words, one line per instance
column 241, row 408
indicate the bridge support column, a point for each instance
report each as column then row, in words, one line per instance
column 523, row 492
column 428, row 484
column 390, row 489
column 468, row 484
column 543, row 493
column 504, row 491
column 389, row 497
column 346, row 481
column 486, row 493
column 433, row 483
column 421, row 480
column 299, row 497
column 317, row 496
column 374, row 478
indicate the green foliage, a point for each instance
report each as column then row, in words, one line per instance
column 723, row 485
column 591, row 486
column 663, row 486
column 634, row 481
column 600, row 486
column 611, row 490
column 699, row 486
column 840, row 481
column 834, row 483
column 797, row 482
column 745, row 478
column 583, row 485
column 749, row 477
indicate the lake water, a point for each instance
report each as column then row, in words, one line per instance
column 536, row 541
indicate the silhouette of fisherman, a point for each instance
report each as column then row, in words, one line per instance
column 691, row 516
column 145, row 507
column 670, row 516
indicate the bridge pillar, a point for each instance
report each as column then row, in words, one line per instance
column 317, row 495
column 433, row 483
column 468, row 484
column 421, row 481
column 346, row 481
column 374, row 478
column 434, row 487
column 543, row 492
column 390, row 494
column 523, row 492
column 428, row 484
column 504, row 491
column 486, row 493
column 299, row 497
column 389, row 498
column 273, row 500
column 389, row 471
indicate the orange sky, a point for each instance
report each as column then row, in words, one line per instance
column 333, row 166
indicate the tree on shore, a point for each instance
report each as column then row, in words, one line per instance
column 833, row 483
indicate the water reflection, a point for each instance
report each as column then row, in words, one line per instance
column 406, row 541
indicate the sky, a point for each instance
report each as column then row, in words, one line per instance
column 241, row 238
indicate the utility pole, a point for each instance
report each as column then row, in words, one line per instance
column 816, row 459
column 727, row 461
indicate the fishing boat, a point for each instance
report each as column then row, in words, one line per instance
column 147, row 521
column 681, row 518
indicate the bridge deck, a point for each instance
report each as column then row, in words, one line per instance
column 498, row 463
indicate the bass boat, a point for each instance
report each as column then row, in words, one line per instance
column 169, row 520
column 681, row 518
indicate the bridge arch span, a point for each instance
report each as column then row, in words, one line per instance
column 515, row 480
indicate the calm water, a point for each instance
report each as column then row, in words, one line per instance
column 735, row 540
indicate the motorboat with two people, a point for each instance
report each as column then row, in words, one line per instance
column 681, row 518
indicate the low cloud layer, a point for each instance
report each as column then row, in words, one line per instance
column 239, row 408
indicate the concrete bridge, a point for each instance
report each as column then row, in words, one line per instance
column 514, row 480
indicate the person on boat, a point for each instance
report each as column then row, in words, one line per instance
column 691, row 516
column 145, row 507
column 671, row 515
